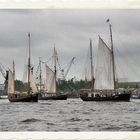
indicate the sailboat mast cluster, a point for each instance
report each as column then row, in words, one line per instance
column 51, row 92
column 103, row 84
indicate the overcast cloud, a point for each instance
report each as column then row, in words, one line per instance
column 70, row 31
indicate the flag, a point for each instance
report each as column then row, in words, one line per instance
column 107, row 20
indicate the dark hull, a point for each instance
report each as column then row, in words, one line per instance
column 119, row 97
column 56, row 97
column 27, row 98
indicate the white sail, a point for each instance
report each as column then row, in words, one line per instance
column 104, row 67
column 11, row 89
column 31, row 80
column 32, row 83
column 50, row 81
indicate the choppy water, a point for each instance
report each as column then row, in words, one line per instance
column 70, row 115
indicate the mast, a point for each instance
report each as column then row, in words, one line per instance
column 40, row 76
column 55, row 57
column 91, row 62
column 112, row 49
column 29, row 65
column 14, row 73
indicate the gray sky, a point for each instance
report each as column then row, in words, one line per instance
column 70, row 30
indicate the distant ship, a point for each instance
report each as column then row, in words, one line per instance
column 51, row 91
column 31, row 95
column 103, row 87
column 135, row 94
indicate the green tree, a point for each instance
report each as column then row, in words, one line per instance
column 20, row 86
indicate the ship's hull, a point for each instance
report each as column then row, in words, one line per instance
column 119, row 97
column 26, row 98
column 135, row 96
column 54, row 97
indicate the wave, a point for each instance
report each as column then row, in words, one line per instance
column 31, row 120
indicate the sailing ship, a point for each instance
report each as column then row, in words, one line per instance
column 51, row 90
column 103, row 87
column 135, row 94
column 31, row 95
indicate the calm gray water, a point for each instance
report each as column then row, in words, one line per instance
column 70, row 115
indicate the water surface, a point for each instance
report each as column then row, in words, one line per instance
column 70, row 115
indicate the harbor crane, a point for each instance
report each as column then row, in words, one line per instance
column 3, row 71
column 64, row 74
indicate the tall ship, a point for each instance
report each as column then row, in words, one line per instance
column 51, row 89
column 32, row 93
column 103, row 84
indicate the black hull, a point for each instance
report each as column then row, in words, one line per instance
column 120, row 97
column 27, row 98
column 56, row 97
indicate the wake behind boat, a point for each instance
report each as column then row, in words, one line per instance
column 104, row 84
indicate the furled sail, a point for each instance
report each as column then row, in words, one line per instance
column 50, row 81
column 104, row 67
column 10, row 82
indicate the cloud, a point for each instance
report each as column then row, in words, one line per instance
column 70, row 31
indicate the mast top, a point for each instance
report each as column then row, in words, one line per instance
column 114, row 78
